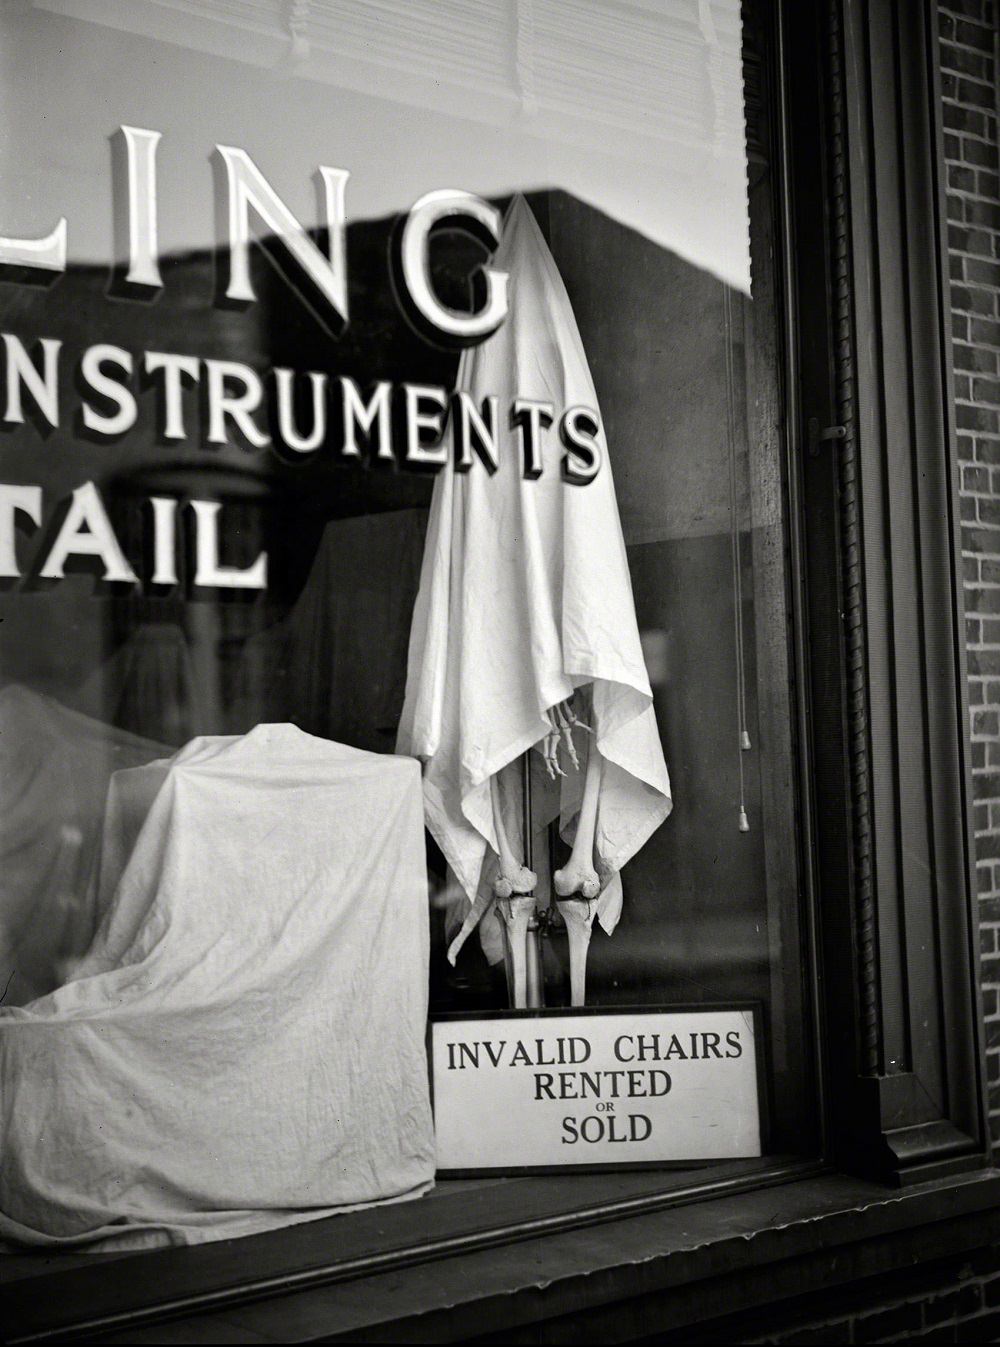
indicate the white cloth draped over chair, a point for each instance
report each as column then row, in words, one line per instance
column 242, row 1047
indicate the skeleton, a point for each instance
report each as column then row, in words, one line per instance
column 535, row 567
column 577, row 884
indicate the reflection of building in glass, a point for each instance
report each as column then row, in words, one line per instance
column 324, row 645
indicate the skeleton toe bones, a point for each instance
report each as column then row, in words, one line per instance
column 550, row 752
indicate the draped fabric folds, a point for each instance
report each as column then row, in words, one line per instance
column 525, row 596
column 55, row 766
column 242, row 1047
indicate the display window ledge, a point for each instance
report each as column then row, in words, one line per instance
column 484, row 1259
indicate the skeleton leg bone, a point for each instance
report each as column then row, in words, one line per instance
column 516, row 913
column 578, row 876
column 578, row 914
column 476, row 913
column 514, row 878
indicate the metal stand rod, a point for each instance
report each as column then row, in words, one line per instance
column 535, row 987
column 526, row 809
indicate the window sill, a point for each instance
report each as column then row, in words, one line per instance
column 495, row 1256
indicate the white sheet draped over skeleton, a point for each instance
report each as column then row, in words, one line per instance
column 525, row 596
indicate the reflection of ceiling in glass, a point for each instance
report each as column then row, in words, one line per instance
column 635, row 105
column 660, row 72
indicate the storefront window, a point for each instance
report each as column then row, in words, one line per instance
column 236, row 318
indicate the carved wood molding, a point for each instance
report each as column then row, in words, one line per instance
column 897, row 903
column 851, row 556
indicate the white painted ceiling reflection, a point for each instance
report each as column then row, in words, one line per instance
column 634, row 106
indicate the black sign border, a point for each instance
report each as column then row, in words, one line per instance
column 754, row 1008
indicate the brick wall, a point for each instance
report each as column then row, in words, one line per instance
column 969, row 67
column 952, row 1300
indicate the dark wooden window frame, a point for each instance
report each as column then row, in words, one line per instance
column 882, row 596
column 885, row 777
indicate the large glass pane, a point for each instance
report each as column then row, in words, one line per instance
column 219, row 497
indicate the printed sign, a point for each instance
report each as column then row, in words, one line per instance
column 563, row 1088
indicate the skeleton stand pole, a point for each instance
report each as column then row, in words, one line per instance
column 535, row 991
column 516, row 906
